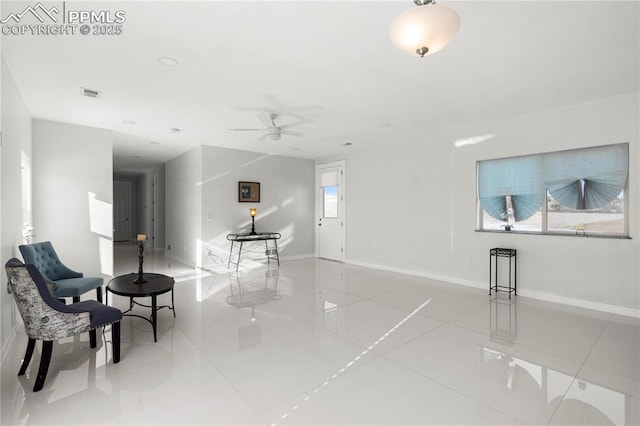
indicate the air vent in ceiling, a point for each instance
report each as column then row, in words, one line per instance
column 90, row 93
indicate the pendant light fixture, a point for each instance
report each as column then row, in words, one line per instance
column 425, row 28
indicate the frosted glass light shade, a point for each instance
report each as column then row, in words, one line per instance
column 431, row 26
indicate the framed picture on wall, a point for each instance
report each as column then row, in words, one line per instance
column 248, row 192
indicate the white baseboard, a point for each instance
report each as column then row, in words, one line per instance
column 534, row 294
column 588, row 304
column 421, row 274
column 169, row 255
column 297, row 257
column 8, row 345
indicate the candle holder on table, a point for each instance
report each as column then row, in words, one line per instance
column 252, row 212
column 141, row 239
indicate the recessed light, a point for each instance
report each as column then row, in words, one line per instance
column 175, row 130
column 154, row 142
column 347, row 144
column 167, row 61
column 137, row 157
column 129, row 122
column 384, row 125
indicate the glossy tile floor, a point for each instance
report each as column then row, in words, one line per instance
column 319, row 342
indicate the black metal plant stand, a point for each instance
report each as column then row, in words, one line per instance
column 494, row 254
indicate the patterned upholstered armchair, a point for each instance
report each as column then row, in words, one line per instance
column 62, row 281
column 47, row 319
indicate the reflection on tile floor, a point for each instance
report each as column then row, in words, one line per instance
column 318, row 342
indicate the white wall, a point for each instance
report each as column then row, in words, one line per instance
column 16, row 138
column 411, row 207
column 286, row 204
column 183, row 206
column 160, row 190
column 70, row 163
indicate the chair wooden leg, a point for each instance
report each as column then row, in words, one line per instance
column 47, row 348
column 93, row 338
column 27, row 356
column 99, row 294
column 76, row 299
column 115, row 338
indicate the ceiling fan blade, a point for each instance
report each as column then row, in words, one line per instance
column 265, row 119
column 291, row 132
column 247, row 130
column 294, row 111
column 263, row 137
column 295, row 123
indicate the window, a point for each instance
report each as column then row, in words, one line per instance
column 577, row 192
column 330, row 201
column 329, row 185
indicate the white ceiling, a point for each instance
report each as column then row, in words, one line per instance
column 328, row 61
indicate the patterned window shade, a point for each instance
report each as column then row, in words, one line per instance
column 589, row 178
column 519, row 177
column 586, row 178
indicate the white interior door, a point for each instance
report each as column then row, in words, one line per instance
column 330, row 224
column 122, row 210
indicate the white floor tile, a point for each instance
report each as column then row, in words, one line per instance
column 598, row 397
column 560, row 330
column 274, row 364
column 618, row 348
column 381, row 392
column 252, row 348
column 515, row 380
column 443, row 306
column 372, row 324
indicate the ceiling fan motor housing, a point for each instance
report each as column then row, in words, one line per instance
column 273, row 133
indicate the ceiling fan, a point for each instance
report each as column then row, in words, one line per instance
column 272, row 131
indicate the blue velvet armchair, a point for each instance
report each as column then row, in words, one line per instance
column 62, row 281
column 47, row 319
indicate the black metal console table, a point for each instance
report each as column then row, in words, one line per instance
column 508, row 253
column 271, row 253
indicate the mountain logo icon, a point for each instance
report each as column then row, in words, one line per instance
column 38, row 11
